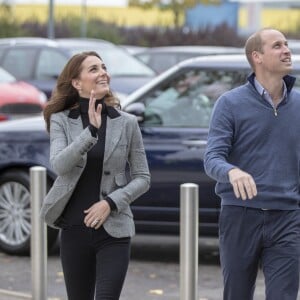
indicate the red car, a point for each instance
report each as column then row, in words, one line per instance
column 18, row 99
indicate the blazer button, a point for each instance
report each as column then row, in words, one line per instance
column 104, row 194
column 106, row 172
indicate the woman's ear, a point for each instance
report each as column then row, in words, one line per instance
column 76, row 84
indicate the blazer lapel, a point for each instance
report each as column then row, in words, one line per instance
column 76, row 127
column 75, row 123
column 114, row 126
column 114, row 129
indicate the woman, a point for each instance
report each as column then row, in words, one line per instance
column 91, row 143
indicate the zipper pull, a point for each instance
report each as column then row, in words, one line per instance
column 275, row 112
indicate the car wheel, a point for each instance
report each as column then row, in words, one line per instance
column 15, row 213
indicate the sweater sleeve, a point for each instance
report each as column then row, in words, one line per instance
column 219, row 143
column 93, row 130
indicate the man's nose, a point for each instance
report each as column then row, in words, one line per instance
column 286, row 48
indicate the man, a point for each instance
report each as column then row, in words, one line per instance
column 253, row 153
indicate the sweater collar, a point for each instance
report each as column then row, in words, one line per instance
column 84, row 105
column 288, row 80
column 83, row 108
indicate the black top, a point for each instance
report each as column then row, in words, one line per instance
column 87, row 189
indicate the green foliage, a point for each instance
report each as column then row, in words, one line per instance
column 106, row 31
column 171, row 4
column 72, row 26
column 221, row 35
column 176, row 6
column 75, row 27
column 8, row 26
column 146, row 5
column 8, row 29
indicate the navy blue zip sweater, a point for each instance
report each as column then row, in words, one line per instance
column 245, row 132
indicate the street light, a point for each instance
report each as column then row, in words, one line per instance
column 83, row 19
column 51, row 34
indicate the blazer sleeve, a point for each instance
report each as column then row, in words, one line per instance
column 139, row 172
column 64, row 153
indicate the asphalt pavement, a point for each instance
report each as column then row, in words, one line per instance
column 153, row 274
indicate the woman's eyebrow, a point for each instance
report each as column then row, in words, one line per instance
column 93, row 66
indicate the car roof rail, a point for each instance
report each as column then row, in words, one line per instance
column 83, row 40
column 26, row 40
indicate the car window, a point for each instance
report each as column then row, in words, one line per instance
column 118, row 61
column 187, row 100
column 6, row 77
column 159, row 61
column 297, row 82
column 1, row 53
column 183, row 56
column 50, row 64
column 144, row 57
column 20, row 62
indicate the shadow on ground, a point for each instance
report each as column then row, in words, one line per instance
column 167, row 249
column 154, row 248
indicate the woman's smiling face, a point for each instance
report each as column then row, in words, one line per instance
column 93, row 76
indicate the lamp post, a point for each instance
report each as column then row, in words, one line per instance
column 51, row 33
column 83, row 19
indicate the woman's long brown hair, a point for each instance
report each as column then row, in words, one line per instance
column 65, row 96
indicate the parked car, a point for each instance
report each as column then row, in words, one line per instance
column 162, row 58
column 39, row 61
column 18, row 98
column 133, row 49
column 294, row 46
column 173, row 110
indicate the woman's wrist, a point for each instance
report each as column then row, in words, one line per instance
column 111, row 203
column 93, row 130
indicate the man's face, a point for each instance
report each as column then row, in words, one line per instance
column 276, row 56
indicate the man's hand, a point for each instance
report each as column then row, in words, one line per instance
column 243, row 184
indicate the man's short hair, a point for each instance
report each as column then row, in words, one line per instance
column 254, row 43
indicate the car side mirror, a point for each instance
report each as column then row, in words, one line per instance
column 137, row 109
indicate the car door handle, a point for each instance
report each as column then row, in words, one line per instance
column 197, row 143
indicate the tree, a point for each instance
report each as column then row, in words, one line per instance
column 8, row 24
column 5, row 8
column 177, row 6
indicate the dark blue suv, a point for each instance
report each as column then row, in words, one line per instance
column 173, row 110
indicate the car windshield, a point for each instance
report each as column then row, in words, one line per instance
column 187, row 99
column 6, row 77
column 119, row 61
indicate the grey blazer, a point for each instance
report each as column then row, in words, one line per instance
column 69, row 144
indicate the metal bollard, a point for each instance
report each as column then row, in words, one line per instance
column 38, row 187
column 189, row 211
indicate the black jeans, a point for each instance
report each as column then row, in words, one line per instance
column 93, row 262
column 250, row 238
